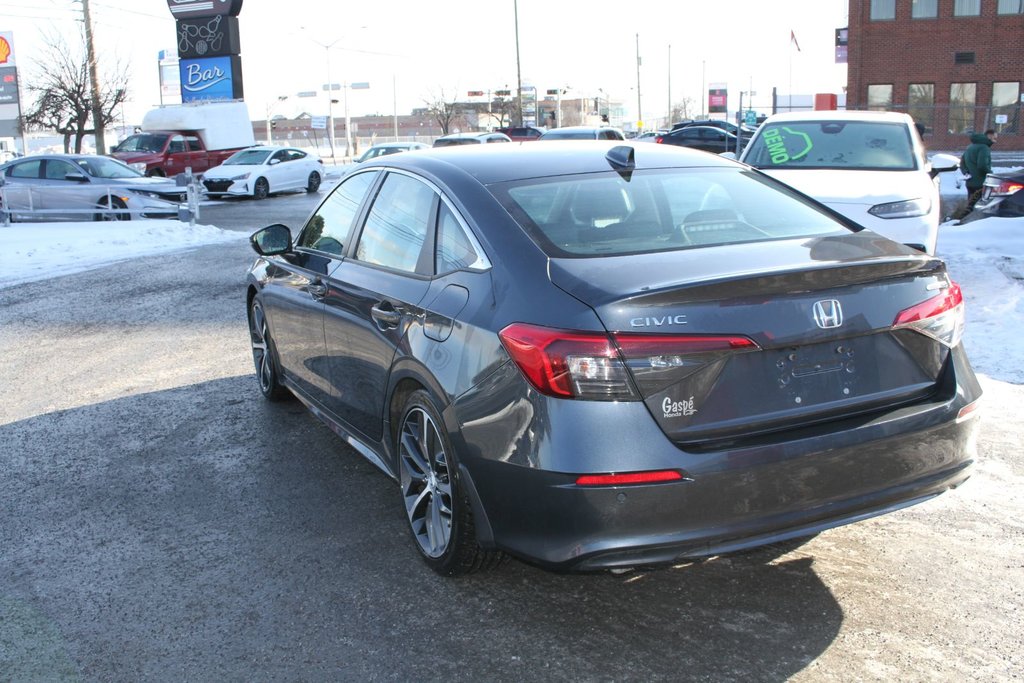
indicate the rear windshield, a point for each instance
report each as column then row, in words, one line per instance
column 608, row 214
column 850, row 145
column 570, row 135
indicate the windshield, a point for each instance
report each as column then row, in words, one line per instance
column 105, row 167
column 857, row 145
column 607, row 214
column 248, row 157
column 144, row 142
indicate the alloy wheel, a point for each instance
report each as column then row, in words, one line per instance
column 426, row 482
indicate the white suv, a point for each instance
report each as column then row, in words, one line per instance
column 869, row 166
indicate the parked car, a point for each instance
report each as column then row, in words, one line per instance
column 704, row 138
column 48, row 187
column 261, row 171
column 521, row 133
column 606, row 355
column 1000, row 196
column 583, row 133
column 385, row 148
column 868, row 165
column 649, row 136
column 455, row 139
column 188, row 136
column 728, row 126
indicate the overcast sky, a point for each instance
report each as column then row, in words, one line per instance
column 411, row 51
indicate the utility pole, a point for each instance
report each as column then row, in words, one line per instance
column 639, row 111
column 519, row 70
column 94, row 83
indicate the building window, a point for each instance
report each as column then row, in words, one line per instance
column 961, row 107
column 1010, row 7
column 883, row 9
column 966, row 8
column 1006, row 103
column 880, row 97
column 924, row 9
column 921, row 104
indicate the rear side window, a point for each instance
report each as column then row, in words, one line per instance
column 26, row 169
column 397, row 225
column 850, row 145
column 328, row 229
column 455, row 251
column 607, row 215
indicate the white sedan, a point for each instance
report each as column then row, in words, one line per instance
column 260, row 171
column 869, row 166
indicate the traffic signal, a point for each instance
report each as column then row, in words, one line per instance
column 273, row 124
column 604, row 118
column 552, row 115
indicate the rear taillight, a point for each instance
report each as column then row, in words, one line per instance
column 568, row 364
column 659, row 139
column 1006, row 187
column 593, row 366
column 941, row 317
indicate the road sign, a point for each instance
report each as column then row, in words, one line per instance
column 307, row 93
column 475, row 93
column 750, row 117
column 318, row 123
column 362, row 85
column 331, row 86
column 502, row 93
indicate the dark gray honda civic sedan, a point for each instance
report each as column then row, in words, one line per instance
column 588, row 355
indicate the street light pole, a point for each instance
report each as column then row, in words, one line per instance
column 519, row 71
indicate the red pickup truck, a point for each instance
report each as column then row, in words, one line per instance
column 168, row 153
column 197, row 136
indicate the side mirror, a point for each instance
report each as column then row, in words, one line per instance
column 942, row 163
column 274, row 161
column 76, row 177
column 272, row 240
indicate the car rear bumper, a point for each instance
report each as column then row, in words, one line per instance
column 729, row 499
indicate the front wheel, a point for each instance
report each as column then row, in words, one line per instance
column 314, row 182
column 263, row 354
column 261, row 190
column 114, row 214
column 438, row 512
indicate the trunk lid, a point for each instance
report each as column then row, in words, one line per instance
column 820, row 314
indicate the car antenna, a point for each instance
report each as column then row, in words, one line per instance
column 623, row 159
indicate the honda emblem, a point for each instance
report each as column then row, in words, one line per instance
column 828, row 314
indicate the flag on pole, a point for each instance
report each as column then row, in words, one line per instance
column 792, row 39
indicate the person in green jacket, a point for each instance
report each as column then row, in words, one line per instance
column 976, row 163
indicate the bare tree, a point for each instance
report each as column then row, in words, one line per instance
column 445, row 111
column 682, row 110
column 505, row 110
column 63, row 96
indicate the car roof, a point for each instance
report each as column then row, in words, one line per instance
column 840, row 115
column 501, row 163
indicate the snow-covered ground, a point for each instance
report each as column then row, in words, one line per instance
column 986, row 257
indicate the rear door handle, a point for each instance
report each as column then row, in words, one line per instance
column 386, row 317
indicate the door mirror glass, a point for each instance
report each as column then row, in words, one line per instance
column 272, row 240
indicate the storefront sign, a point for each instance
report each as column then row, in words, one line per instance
column 190, row 9
column 211, row 78
column 208, row 37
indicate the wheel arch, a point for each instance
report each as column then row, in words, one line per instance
column 406, row 381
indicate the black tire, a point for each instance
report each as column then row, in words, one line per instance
column 440, row 517
column 314, row 182
column 264, row 355
column 261, row 189
column 115, row 203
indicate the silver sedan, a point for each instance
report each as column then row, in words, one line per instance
column 83, row 187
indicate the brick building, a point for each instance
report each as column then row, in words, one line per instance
column 955, row 65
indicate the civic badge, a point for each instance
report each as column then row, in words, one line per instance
column 828, row 314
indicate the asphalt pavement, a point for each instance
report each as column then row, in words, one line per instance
column 159, row 521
